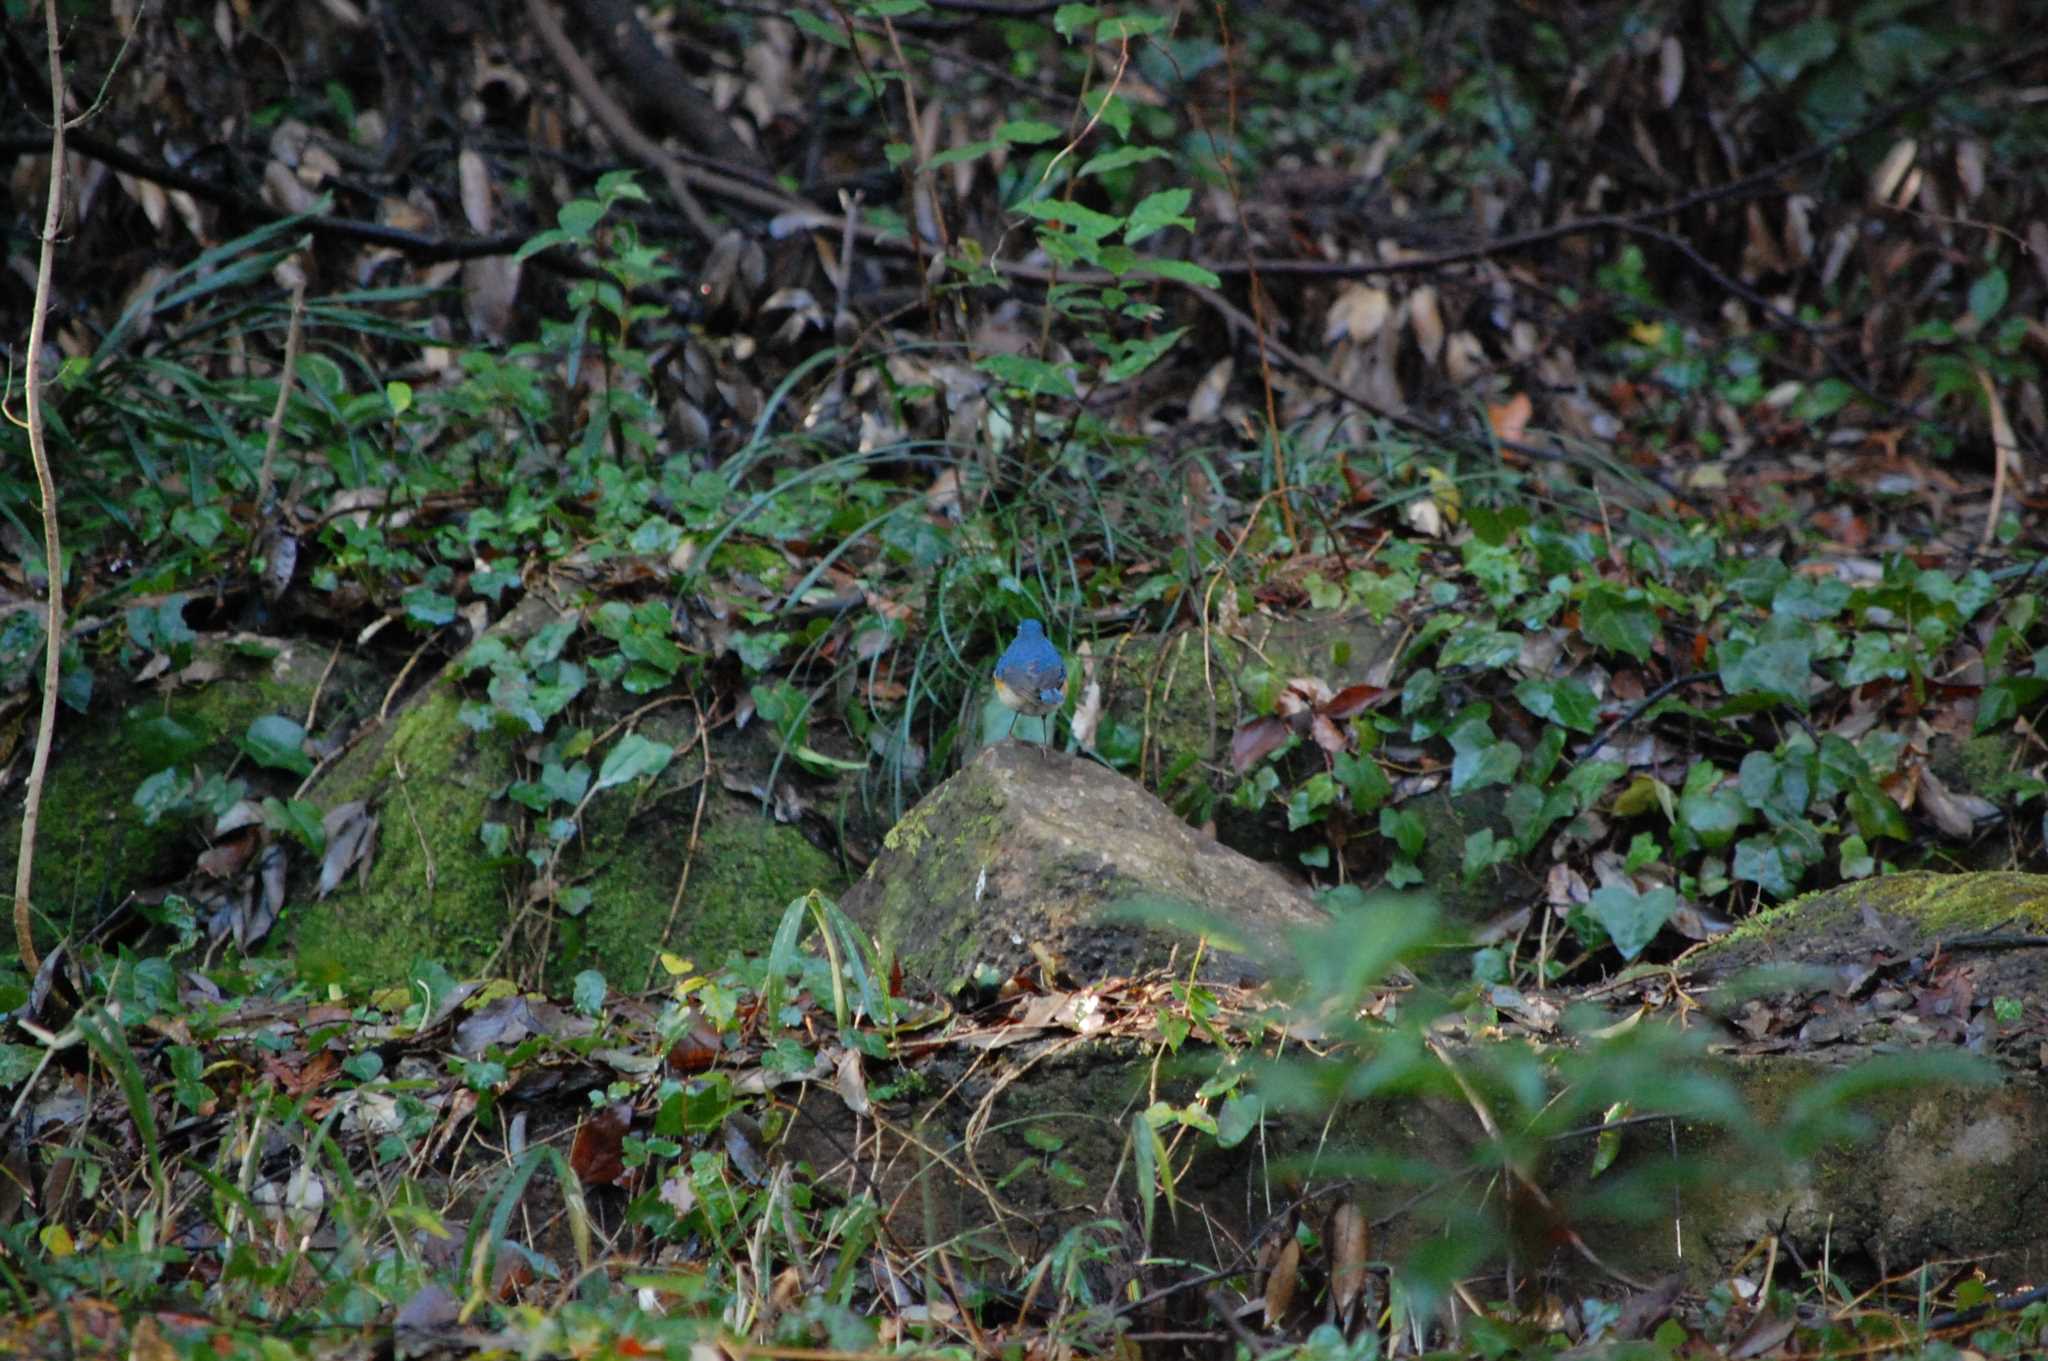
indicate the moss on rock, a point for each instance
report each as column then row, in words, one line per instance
column 432, row 891
column 93, row 844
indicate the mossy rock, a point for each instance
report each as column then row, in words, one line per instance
column 435, row 892
column 432, row 891
column 94, row 845
column 1898, row 911
column 1024, row 857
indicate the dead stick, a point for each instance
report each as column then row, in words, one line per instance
column 46, row 485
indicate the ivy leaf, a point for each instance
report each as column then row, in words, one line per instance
column 1567, row 701
column 1710, row 811
column 1780, row 670
column 1482, row 759
column 565, row 785
column 1632, row 919
column 279, row 743
column 1619, row 621
column 1406, row 828
column 632, row 757
column 1875, row 813
column 432, row 608
column 300, row 818
column 1238, row 1118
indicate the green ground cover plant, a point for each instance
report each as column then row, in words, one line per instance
column 1701, row 541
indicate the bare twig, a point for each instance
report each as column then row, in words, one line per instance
column 46, row 486
column 266, row 483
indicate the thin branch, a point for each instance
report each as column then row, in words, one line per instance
column 615, row 119
column 53, row 548
column 266, row 484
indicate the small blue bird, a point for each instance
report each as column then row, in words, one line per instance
column 1031, row 677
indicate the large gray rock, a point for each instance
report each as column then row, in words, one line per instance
column 1024, row 848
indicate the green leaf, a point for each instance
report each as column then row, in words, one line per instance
column 817, row 28
column 1116, row 158
column 1774, row 864
column 1180, row 271
column 565, row 785
column 1026, row 132
column 2005, row 697
column 1156, row 212
column 1068, row 20
column 1810, row 598
column 1407, row 830
column 1119, row 28
column 1781, row 670
column 588, row 992
column 279, row 743
column 1823, row 400
column 1988, row 295
column 818, row 763
column 1618, row 621
column 1710, row 810
column 1109, row 109
column 1475, row 645
column 1362, row 779
column 299, row 818
column 1482, row 759
column 159, row 795
column 160, row 740
column 1875, row 813
column 1784, row 54
column 1567, row 701
column 1531, row 812
column 632, row 757
column 424, row 605
column 1142, row 354
column 1632, row 919
column 1086, row 222
column 1780, row 787
column 1238, row 1118
column 952, row 155
column 1032, row 375
column 1483, row 850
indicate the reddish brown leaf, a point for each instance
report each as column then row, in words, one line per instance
column 1510, row 419
column 1255, row 741
column 229, row 855
column 1280, row 1283
column 697, row 1050
column 597, row 1152
column 1353, row 700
